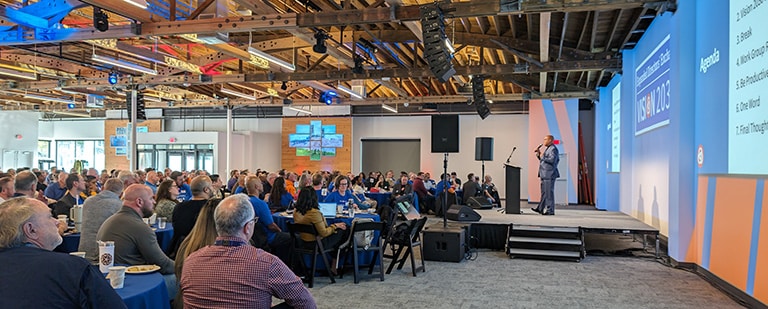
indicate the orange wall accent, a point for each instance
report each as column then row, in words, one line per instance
column 113, row 161
column 731, row 227
column 761, row 269
column 694, row 246
column 343, row 159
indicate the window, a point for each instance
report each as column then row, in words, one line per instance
column 91, row 153
column 43, row 149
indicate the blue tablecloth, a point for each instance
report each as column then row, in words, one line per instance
column 145, row 291
column 382, row 198
column 72, row 241
column 364, row 258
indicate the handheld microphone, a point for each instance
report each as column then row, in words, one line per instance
column 537, row 148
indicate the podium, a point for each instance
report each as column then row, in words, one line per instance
column 512, row 179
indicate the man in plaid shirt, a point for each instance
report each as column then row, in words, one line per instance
column 233, row 274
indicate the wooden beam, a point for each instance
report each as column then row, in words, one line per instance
column 634, row 26
column 200, row 9
column 519, row 54
column 126, row 9
column 172, row 11
column 613, row 30
column 593, row 36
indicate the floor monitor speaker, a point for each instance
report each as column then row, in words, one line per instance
column 479, row 202
column 462, row 213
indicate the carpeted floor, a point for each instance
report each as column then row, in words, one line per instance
column 495, row 281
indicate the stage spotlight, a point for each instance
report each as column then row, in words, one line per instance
column 284, row 86
column 100, row 19
column 113, row 78
column 327, row 97
column 320, row 47
column 71, row 105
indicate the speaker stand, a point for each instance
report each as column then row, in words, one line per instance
column 482, row 173
column 445, row 191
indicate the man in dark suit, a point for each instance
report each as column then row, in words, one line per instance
column 548, row 160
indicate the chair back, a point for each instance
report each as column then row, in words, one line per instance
column 417, row 227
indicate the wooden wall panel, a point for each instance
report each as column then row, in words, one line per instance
column 343, row 159
column 113, row 161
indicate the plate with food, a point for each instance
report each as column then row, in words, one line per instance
column 141, row 269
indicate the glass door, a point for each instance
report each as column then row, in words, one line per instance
column 175, row 160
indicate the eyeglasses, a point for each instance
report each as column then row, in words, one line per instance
column 343, row 184
column 254, row 220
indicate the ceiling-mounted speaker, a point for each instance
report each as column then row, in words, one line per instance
column 100, row 19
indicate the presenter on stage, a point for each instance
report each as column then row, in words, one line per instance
column 549, row 157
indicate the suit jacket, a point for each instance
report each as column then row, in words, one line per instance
column 548, row 163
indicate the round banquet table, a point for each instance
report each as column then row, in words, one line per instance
column 71, row 242
column 365, row 257
column 382, row 198
column 144, row 291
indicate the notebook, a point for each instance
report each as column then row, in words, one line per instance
column 328, row 209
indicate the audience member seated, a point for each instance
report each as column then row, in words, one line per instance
column 56, row 190
column 308, row 212
column 166, row 200
column 268, row 232
column 470, row 188
column 234, row 274
column 359, row 189
column 75, row 185
column 217, row 185
column 401, row 189
column 96, row 210
column 490, row 192
column 152, row 180
column 185, row 192
column 382, row 184
column 455, row 179
column 202, row 235
column 185, row 214
column 429, row 183
column 233, row 176
column 343, row 194
column 35, row 277
column 279, row 199
column 290, row 183
column 25, row 185
column 7, row 188
column 317, row 185
column 267, row 183
column 135, row 242
column 426, row 199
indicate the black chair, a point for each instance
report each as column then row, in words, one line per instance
column 375, row 246
column 301, row 248
column 406, row 244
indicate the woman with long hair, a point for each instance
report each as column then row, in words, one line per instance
column 279, row 199
column 202, row 234
column 165, row 199
column 308, row 212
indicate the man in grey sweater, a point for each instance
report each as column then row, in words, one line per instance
column 96, row 210
column 135, row 242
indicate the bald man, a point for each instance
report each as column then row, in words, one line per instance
column 32, row 275
column 135, row 242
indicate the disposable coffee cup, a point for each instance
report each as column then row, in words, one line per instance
column 106, row 255
column 117, row 277
column 79, row 254
column 62, row 217
column 161, row 222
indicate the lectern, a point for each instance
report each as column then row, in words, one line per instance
column 512, row 179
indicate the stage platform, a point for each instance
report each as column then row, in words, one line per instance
column 491, row 231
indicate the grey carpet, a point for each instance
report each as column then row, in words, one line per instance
column 495, row 281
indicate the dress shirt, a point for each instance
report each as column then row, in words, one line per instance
column 239, row 276
column 54, row 191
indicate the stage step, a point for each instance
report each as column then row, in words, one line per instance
column 557, row 241
column 545, row 242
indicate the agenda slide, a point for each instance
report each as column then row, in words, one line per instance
column 747, row 87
